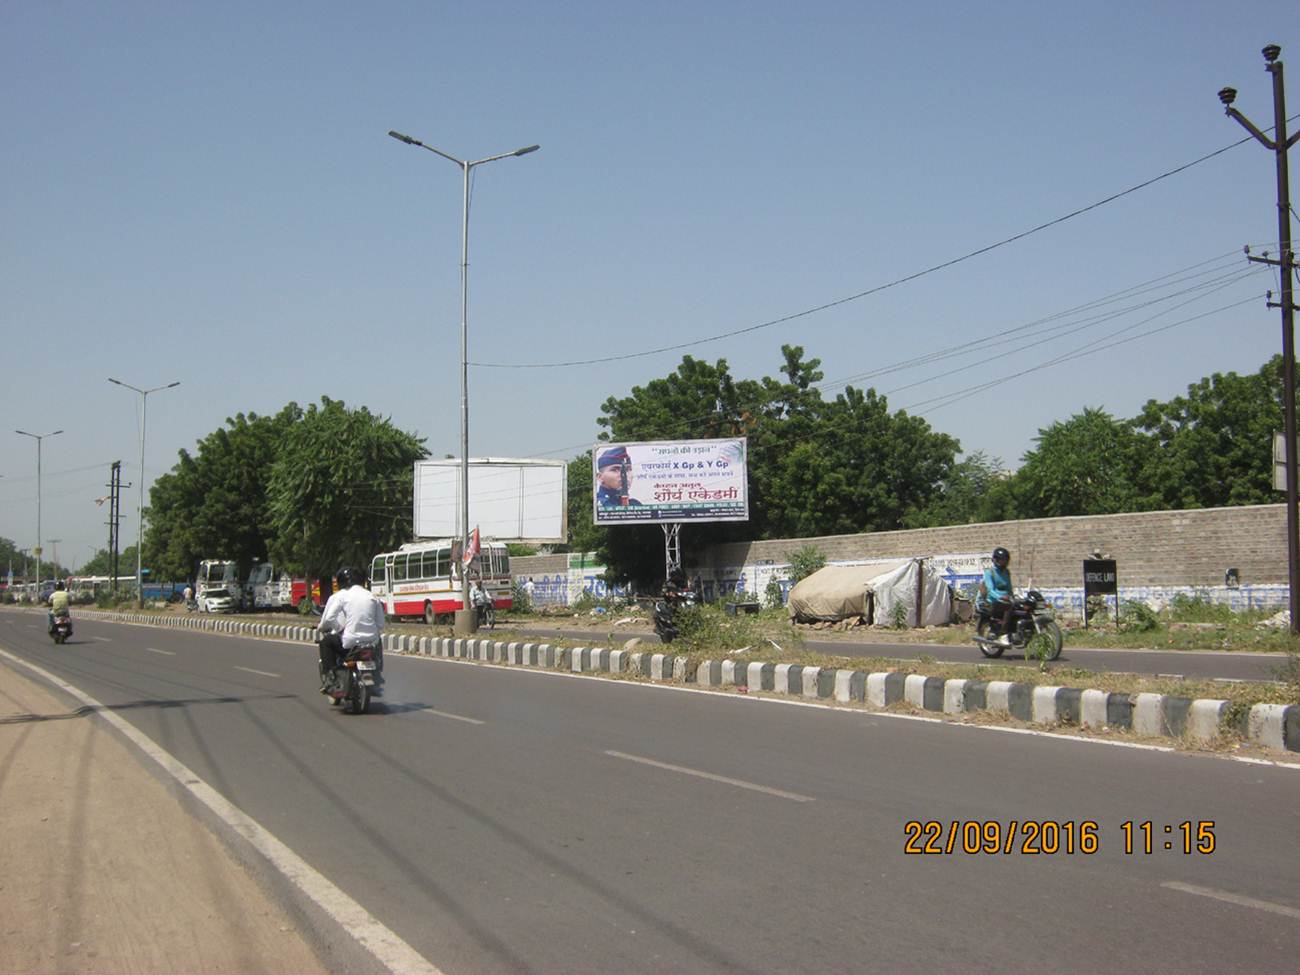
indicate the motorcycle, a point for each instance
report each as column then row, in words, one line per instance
column 357, row 678
column 61, row 628
column 665, row 613
column 1032, row 621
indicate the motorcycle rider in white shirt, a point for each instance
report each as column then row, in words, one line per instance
column 352, row 618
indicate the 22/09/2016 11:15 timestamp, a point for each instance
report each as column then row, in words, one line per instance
column 1049, row 837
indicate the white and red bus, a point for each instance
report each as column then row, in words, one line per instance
column 424, row 579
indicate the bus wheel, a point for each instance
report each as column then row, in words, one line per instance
column 430, row 617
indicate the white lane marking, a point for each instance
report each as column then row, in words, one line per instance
column 169, row 653
column 102, row 639
column 454, row 717
column 263, row 673
column 738, row 783
column 390, row 950
column 1231, row 898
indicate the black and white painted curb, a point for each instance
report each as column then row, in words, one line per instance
column 1199, row 721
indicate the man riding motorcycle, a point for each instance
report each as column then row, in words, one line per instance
column 996, row 590
column 352, row 618
column 59, row 603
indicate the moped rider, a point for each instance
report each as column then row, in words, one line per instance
column 996, row 589
column 352, row 618
column 59, row 603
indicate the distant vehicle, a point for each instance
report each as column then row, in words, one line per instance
column 269, row 588
column 218, row 574
column 424, row 579
column 220, row 600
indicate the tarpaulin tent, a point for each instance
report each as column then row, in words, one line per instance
column 838, row 592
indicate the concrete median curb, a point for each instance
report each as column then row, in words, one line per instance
column 1199, row 721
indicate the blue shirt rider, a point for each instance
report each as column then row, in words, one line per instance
column 997, row 590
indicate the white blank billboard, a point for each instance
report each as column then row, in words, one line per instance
column 509, row 499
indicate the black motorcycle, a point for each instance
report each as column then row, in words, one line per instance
column 357, row 678
column 1033, row 628
column 665, row 612
column 61, row 628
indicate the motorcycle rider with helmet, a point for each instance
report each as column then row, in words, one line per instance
column 352, row 618
column 996, row 590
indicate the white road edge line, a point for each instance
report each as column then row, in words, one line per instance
column 170, row 653
column 264, row 673
column 738, row 783
column 1231, row 898
column 102, row 639
column 390, row 950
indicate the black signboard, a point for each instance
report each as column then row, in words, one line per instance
column 1099, row 577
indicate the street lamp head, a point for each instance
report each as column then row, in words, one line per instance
column 402, row 138
column 1271, row 53
column 170, row 385
column 525, row 151
column 1227, row 96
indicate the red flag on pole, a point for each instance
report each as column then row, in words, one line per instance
column 472, row 551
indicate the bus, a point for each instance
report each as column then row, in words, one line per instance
column 423, row 579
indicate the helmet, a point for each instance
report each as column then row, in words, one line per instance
column 1001, row 556
column 59, row 584
column 344, row 577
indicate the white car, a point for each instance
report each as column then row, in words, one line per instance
column 220, row 601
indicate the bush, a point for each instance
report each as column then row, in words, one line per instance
column 1197, row 608
column 805, row 562
column 898, row 616
column 522, row 602
column 1138, row 617
column 772, row 598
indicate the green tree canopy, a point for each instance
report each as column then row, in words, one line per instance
column 340, row 489
column 213, row 504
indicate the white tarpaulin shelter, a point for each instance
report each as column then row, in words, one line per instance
column 839, row 592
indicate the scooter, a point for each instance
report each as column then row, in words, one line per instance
column 61, row 628
column 1032, row 619
column 357, row 678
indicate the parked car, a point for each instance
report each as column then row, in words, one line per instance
column 220, row 601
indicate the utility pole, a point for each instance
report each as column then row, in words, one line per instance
column 1285, row 263
column 114, row 521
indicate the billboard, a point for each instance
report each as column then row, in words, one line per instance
column 669, row 481
column 509, row 499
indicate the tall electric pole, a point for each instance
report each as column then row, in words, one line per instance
column 1285, row 263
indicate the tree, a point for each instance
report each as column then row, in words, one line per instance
column 340, row 488
column 964, row 494
column 1213, row 447
column 1087, row 465
column 213, row 504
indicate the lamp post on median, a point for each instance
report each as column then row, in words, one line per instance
column 38, row 437
column 139, row 537
column 465, row 617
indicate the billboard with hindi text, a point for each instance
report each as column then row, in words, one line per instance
column 670, row 481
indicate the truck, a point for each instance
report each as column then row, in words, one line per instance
column 269, row 588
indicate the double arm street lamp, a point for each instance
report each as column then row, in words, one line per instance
column 38, row 437
column 139, row 529
column 465, row 622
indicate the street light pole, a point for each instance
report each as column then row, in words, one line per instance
column 139, row 528
column 1279, row 144
column 38, row 437
column 465, row 623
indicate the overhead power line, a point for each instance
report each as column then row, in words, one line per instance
column 878, row 288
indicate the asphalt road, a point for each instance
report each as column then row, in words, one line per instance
column 520, row 821
column 1222, row 664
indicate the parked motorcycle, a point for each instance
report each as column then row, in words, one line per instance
column 61, row 628
column 1032, row 620
column 357, row 678
column 666, row 609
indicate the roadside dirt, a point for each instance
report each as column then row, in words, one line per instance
column 103, row 871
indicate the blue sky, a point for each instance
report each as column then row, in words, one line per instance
column 206, row 193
